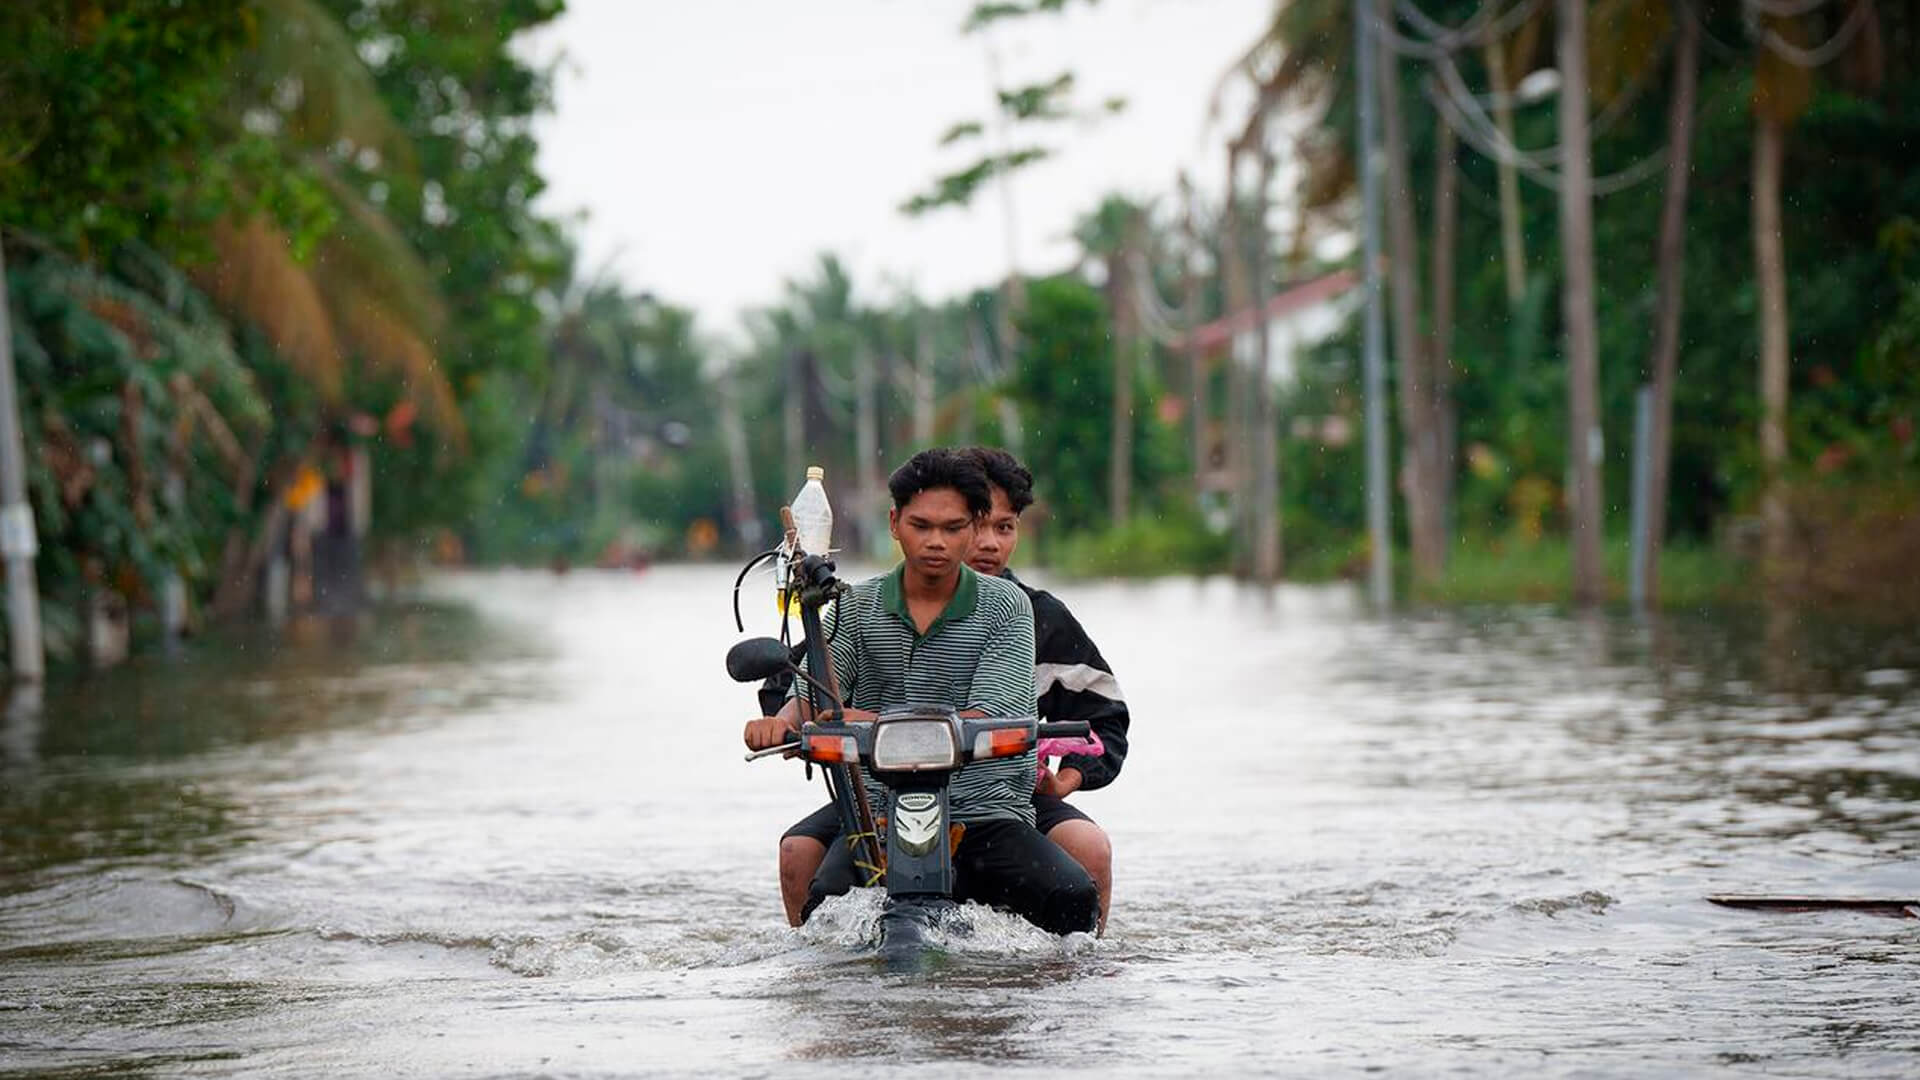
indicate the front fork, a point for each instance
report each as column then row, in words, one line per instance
column 919, row 844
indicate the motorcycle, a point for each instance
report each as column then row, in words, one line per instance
column 914, row 751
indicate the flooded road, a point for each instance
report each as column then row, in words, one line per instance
column 510, row 833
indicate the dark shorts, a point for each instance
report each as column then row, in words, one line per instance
column 824, row 824
column 1051, row 810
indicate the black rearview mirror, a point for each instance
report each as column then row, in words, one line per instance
column 757, row 658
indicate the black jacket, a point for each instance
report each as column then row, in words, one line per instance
column 1075, row 683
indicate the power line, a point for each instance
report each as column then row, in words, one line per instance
column 1481, row 29
column 1161, row 322
column 1462, row 111
column 1785, row 9
column 1492, row 144
column 1822, row 54
column 1723, row 49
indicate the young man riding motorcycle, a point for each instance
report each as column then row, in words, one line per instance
column 1073, row 683
column 934, row 631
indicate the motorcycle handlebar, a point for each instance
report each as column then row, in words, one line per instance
column 787, row 745
column 1064, row 729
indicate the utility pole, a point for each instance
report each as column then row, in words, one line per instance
column 1265, row 417
column 793, row 414
column 1513, row 253
column 1577, row 304
column 866, row 448
column 1126, row 342
column 1190, row 312
column 1379, row 573
column 746, row 523
column 17, row 541
column 1233, row 274
column 923, row 388
column 1013, row 294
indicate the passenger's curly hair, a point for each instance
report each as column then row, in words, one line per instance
column 942, row 467
column 1005, row 472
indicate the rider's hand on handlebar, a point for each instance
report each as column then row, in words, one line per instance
column 767, row 731
column 1060, row 784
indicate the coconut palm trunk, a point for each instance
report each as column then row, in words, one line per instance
column 1265, row 419
column 923, row 384
column 1126, row 336
column 1782, row 90
column 1419, row 470
column 1513, row 251
column 1577, row 303
column 1672, row 293
column 1234, row 287
column 1196, row 364
column 1446, row 205
column 1770, row 266
column 866, row 449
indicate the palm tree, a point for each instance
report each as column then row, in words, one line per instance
column 1670, row 265
column 1419, row 420
column 363, row 291
column 1113, row 233
column 1576, row 244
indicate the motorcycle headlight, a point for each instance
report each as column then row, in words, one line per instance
column 914, row 746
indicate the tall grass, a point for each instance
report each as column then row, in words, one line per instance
column 1520, row 571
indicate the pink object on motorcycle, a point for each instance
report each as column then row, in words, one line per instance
column 1054, row 748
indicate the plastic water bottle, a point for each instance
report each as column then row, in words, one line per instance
column 812, row 515
column 813, row 534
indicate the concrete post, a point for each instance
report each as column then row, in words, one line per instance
column 1379, row 574
column 18, row 543
column 1640, row 515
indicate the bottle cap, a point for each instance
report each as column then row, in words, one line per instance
column 815, row 472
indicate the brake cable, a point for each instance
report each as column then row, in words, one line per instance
column 738, row 623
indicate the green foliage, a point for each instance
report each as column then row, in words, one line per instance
column 986, row 14
column 958, row 188
column 616, row 449
column 109, row 112
column 1172, row 543
column 965, row 129
column 463, row 99
column 1038, row 101
column 355, row 174
column 134, row 407
column 1515, row 570
column 1847, row 179
column 1322, row 464
column 1064, row 377
column 1041, row 102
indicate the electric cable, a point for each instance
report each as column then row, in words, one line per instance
column 739, row 624
column 1824, row 53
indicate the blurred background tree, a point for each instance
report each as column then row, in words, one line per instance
column 246, row 239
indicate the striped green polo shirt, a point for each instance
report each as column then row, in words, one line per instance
column 977, row 655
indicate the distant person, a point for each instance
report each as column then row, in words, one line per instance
column 1072, row 682
column 934, row 631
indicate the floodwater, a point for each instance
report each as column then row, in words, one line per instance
column 510, row 833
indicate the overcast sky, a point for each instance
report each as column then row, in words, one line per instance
column 717, row 147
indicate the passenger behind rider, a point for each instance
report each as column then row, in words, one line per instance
column 933, row 631
column 1073, row 682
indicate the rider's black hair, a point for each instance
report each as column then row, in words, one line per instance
column 1005, row 472
column 941, row 467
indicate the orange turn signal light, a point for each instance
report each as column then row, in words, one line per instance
column 833, row 749
column 1003, row 742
